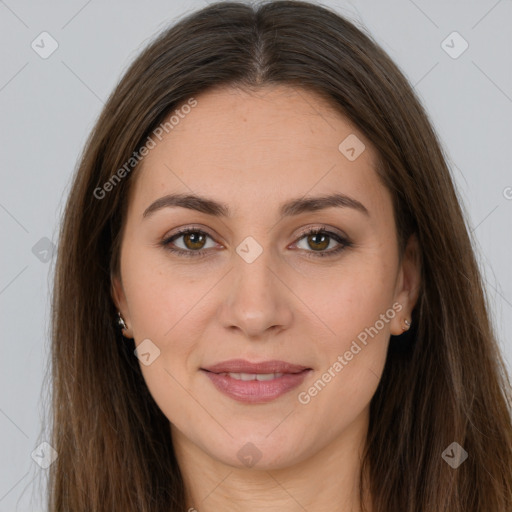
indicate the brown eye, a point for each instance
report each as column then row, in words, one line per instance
column 193, row 242
column 318, row 241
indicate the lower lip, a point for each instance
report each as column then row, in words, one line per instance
column 256, row 391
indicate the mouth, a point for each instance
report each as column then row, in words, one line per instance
column 263, row 367
column 261, row 382
column 252, row 376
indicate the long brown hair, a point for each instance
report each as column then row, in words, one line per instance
column 446, row 382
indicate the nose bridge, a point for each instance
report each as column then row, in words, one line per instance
column 256, row 299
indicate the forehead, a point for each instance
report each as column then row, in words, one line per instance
column 251, row 148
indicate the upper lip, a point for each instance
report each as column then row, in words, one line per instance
column 243, row 366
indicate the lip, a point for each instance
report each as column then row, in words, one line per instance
column 243, row 366
column 255, row 391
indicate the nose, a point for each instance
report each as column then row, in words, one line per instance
column 257, row 300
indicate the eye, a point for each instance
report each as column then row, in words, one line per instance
column 320, row 239
column 193, row 240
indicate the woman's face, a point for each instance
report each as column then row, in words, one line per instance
column 262, row 288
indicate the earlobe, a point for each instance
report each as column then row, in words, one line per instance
column 408, row 286
column 119, row 299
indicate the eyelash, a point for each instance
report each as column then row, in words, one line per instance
column 344, row 243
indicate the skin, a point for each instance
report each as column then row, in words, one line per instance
column 253, row 151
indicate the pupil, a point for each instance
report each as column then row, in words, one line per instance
column 194, row 237
column 322, row 236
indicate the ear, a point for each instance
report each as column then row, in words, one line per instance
column 119, row 298
column 408, row 285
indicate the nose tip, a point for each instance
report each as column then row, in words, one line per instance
column 256, row 302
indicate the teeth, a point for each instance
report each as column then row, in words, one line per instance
column 254, row 376
column 268, row 376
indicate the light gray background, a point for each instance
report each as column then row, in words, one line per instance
column 49, row 106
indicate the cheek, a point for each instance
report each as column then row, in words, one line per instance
column 167, row 306
column 351, row 299
column 342, row 388
column 164, row 308
column 357, row 310
column 159, row 297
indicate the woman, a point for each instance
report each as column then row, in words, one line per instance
column 266, row 296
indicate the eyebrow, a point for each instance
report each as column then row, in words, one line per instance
column 289, row 208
